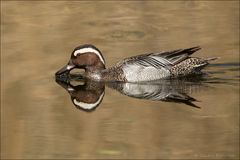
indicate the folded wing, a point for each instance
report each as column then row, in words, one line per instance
column 162, row 59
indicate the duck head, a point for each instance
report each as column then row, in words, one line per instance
column 86, row 57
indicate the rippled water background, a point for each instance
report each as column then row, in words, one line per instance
column 38, row 119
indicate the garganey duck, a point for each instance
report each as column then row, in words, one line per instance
column 140, row 68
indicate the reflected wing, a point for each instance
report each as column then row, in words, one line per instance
column 181, row 98
column 156, row 92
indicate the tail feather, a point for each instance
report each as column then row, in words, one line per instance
column 212, row 59
column 200, row 66
column 190, row 66
column 192, row 50
column 179, row 55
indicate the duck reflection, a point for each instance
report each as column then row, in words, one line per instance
column 87, row 95
column 164, row 90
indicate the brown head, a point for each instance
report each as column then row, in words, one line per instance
column 86, row 57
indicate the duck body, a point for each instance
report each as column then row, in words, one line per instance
column 140, row 68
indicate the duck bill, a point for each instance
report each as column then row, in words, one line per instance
column 65, row 70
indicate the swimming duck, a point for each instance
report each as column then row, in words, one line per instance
column 140, row 68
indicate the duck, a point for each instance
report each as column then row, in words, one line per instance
column 139, row 68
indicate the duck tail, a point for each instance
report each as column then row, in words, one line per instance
column 193, row 49
column 212, row 59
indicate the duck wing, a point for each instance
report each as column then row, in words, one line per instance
column 147, row 60
column 179, row 55
column 162, row 59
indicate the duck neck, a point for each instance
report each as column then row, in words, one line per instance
column 96, row 67
column 94, row 71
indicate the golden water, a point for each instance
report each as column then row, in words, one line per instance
column 38, row 119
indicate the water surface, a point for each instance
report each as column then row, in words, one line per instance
column 39, row 120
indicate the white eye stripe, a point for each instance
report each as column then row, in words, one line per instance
column 87, row 50
column 88, row 106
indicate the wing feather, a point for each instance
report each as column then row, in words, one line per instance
column 161, row 59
